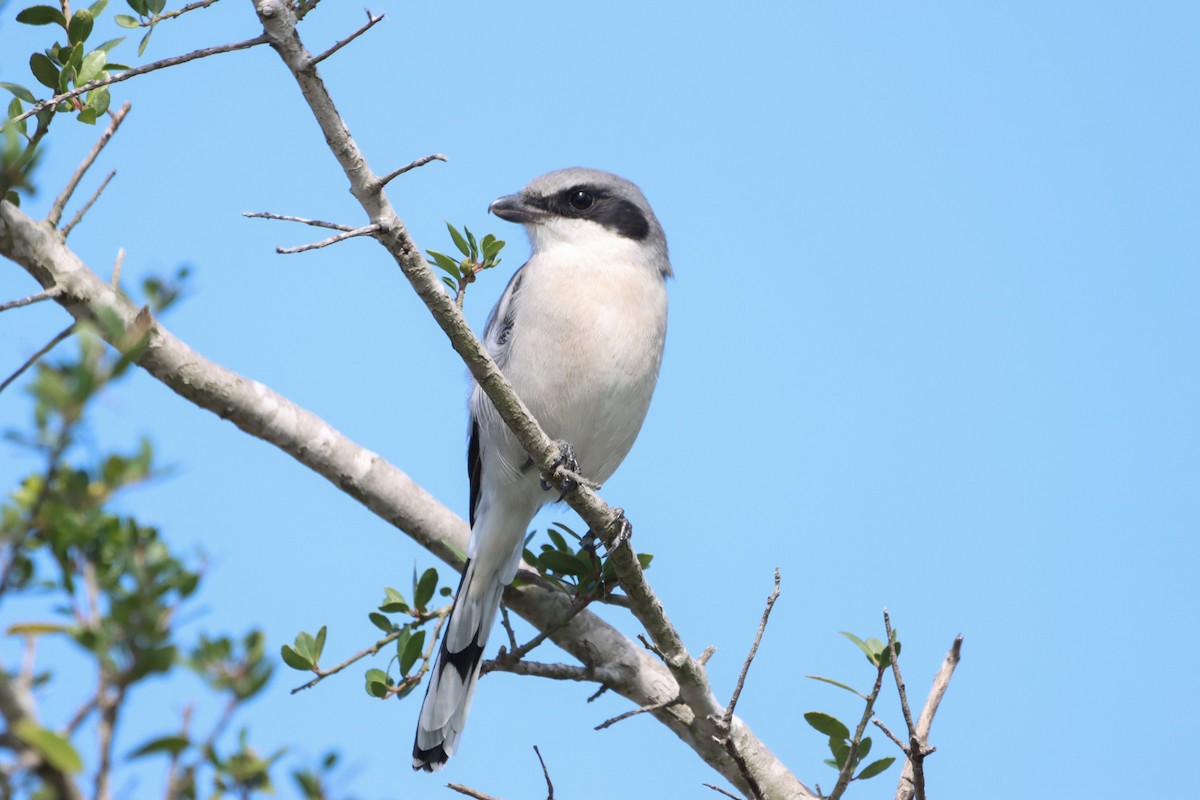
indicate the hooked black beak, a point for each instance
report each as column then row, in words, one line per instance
column 514, row 208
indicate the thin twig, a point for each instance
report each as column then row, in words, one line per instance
column 727, row 720
column 519, row 652
column 63, row 334
column 545, row 773
column 142, row 70
column 341, row 237
column 441, row 614
column 75, row 220
column 608, row 723
column 907, row 786
column 908, row 719
column 555, row 671
column 469, row 792
column 318, row 223
column 371, row 21
column 722, row 791
column 508, row 628
column 878, row 723
column 176, row 13
column 120, row 260
column 49, row 294
column 60, row 202
column 396, row 173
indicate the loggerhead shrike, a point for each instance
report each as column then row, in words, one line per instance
column 579, row 333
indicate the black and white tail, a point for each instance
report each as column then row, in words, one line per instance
column 456, row 671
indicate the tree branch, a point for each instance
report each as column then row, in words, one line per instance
column 60, row 202
column 906, row 788
column 142, row 70
column 48, row 294
column 278, row 20
column 371, row 22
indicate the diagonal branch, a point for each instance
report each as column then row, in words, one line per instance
column 279, row 23
column 384, row 489
column 204, row 52
column 60, row 202
column 371, row 22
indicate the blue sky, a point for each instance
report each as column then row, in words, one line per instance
column 932, row 348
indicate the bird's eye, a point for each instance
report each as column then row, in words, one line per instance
column 581, row 200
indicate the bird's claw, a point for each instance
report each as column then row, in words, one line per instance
column 565, row 471
column 624, row 533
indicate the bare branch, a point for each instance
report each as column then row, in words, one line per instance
column 75, row 220
column 608, row 723
column 142, row 70
column 179, row 12
column 907, row 786
column 63, row 334
column 60, row 202
column 878, row 723
column 469, row 792
column 545, row 773
column 371, row 21
column 721, row 791
column 552, row 671
column 396, row 173
column 319, row 223
column 762, row 626
column 518, row 653
column 49, row 294
column 341, row 237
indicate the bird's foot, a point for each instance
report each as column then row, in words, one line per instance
column 565, row 472
column 624, row 529
column 624, row 533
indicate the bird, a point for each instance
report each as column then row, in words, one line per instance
column 579, row 332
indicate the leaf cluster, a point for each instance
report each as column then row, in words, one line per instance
column 115, row 588
column 849, row 750
column 476, row 257
column 574, row 566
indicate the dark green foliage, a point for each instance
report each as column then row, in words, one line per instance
column 570, row 562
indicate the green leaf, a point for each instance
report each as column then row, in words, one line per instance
column 474, row 254
column 377, row 683
column 294, row 659
column 92, row 64
column 644, row 559
column 874, row 768
column 44, row 70
column 126, row 21
column 393, row 602
column 562, row 563
column 834, row 683
column 19, row 91
column 110, row 44
column 840, row 750
column 824, row 723
column 54, row 748
column 87, row 116
column 426, row 587
column 559, row 542
column 80, row 27
column 319, row 645
column 450, row 284
column 412, row 651
column 99, row 99
column 42, row 15
column 380, row 621
column 163, row 744
column 145, row 41
column 490, row 249
column 445, row 262
column 459, row 241
column 867, row 651
column 97, row 8
column 864, row 747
